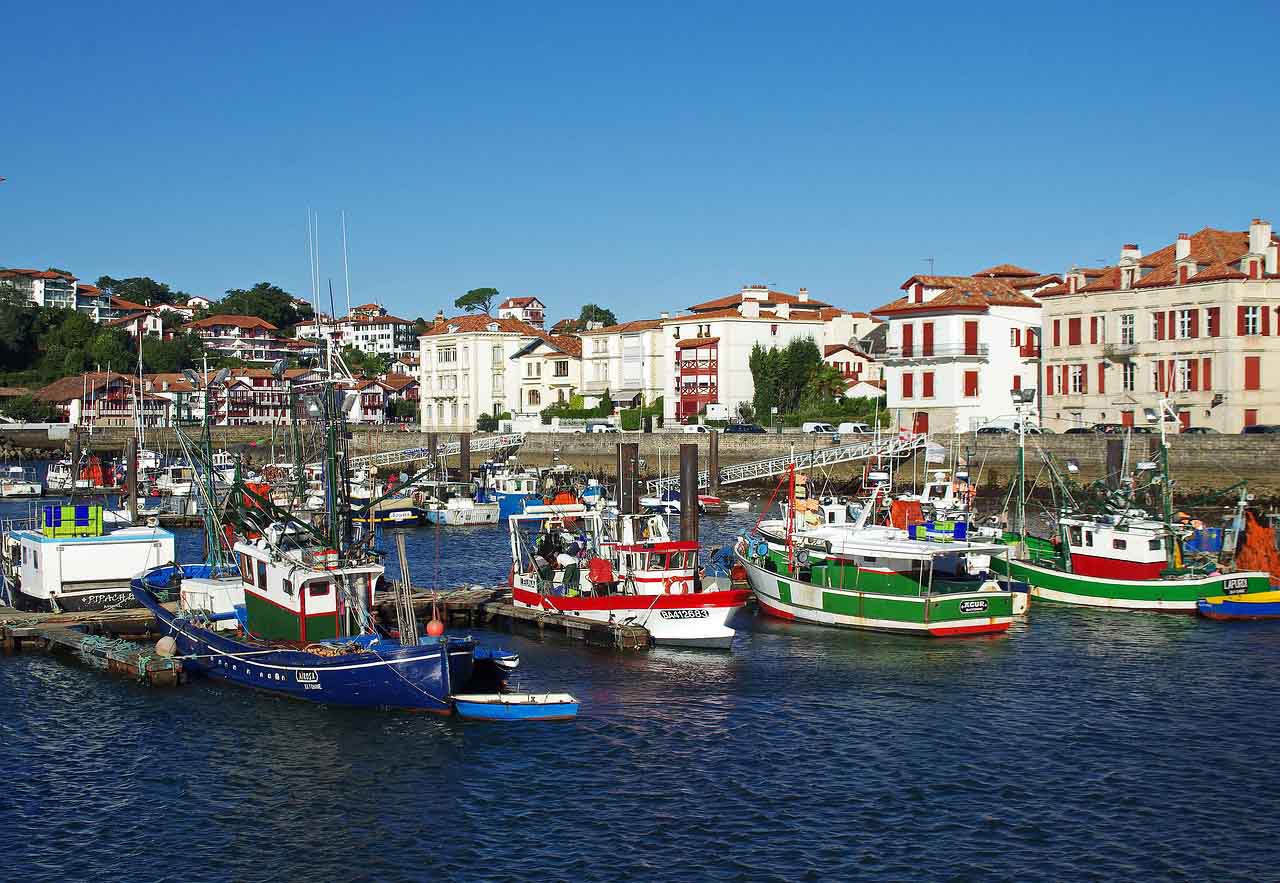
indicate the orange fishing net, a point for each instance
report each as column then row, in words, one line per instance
column 903, row 513
column 1258, row 548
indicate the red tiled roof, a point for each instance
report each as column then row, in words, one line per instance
column 1054, row 290
column 567, row 344
column 831, row 349
column 1036, row 281
column 238, row 321
column 68, row 388
column 399, row 381
column 380, row 320
column 129, row 319
column 471, row 323
column 694, row 342
column 89, row 290
column 1216, row 271
column 513, row 302
column 36, row 274
column 365, row 307
column 732, row 313
column 773, row 298
column 1215, row 253
column 626, row 327
column 960, row 293
column 128, row 304
column 1005, row 271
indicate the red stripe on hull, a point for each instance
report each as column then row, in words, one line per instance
column 773, row 611
column 732, row 598
column 1111, row 568
column 985, row 628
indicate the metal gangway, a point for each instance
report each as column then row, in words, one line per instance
column 895, row 446
column 447, row 449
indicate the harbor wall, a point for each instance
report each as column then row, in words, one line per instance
column 1197, row 461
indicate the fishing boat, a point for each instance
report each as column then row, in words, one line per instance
column 20, row 481
column 63, row 477
column 569, row 560
column 516, row 706
column 669, row 504
column 510, row 487
column 175, row 480
column 72, row 558
column 309, row 627
column 846, row 572
column 453, row 504
column 1122, row 557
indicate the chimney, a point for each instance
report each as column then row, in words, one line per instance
column 664, row 315
column 803, row 295
column 755, row 292
column 1259, row 236
column 1182, row 250
column 1130, row 251
column 438, row 319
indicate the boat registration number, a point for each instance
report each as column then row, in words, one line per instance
column 310, row 680
column 683, row 614
column 973, row 605
column 1236, row 586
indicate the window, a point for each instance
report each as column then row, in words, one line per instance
column 1252, row 372
column 1184, row 377
column 496, row 389
column 926, row 344
column 1127, row 374
column 970, row 338
column 318, row 589
column 562, row 368
column 262, row 574
column 1206, row 373
column 1155, row 545
column 908, row 385
column 1250, row 320
column 1057, row 333
column 1126, row 329
column 532, row 369
column 1015, row 337
column 534, row 398
column 1088, row 538
column 447, row 355
column 288, row 587
column 1119, row 544
column 1157, row 326
column 908, row 340
column 599, row 345
column 971, row 384
column 1077, row 379
column 926, row 384
column 497, row 355
column 1185, row 324
column 1213, row 319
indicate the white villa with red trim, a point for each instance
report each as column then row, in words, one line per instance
column 1197, row 321
column 958, row 344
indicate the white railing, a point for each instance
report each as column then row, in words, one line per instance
column 447, row 449
column 756, row 469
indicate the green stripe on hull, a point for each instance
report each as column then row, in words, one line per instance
column 1166, row 594
column 266, row 620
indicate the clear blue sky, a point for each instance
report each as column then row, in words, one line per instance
column 644, row 157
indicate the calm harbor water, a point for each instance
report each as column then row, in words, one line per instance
column 1081, row 745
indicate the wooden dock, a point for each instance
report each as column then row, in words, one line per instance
column 594, row 634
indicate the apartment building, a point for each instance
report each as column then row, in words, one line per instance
column 368, row 328
column 1196, row 322
column 858, row 367
column 247, row 338
column 466, row 369
column 549, row 370
column 105, row 398
column 956, row 346
column 43, row 288
column 627, row 360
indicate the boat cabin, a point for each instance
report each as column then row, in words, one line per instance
column 1116, row 546
column 303, row 595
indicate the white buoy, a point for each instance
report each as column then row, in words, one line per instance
column 166, row 647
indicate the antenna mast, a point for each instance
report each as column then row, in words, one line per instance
column 345, row 271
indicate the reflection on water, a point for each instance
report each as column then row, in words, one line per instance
column 1081, row 744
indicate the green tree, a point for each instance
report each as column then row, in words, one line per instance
column 140, row 290
column 477, row 300
column 597, row 313
column 403, row 409
column 19, row 324
column 170, row 356
column 826, row 383
column 264, row 300
column 28, row 409
column 368, row 365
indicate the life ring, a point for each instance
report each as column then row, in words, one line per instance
column 740, row 547
column 674, row 585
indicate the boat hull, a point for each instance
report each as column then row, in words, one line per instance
column 1167, row 595
column 693, row 620
column 950, row 615
column 1247, row 608
column 99, row 598
column 418, row 678
column 481, row 514
column 516, row 706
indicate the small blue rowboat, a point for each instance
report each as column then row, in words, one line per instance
column 516, row 706
column 1259, row 605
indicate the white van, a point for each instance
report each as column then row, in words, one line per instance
column 853, row 429
column 823, row 428
column 698, row 427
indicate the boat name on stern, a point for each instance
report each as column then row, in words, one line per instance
column 309, row 679
column 973, row 605
column 1235, row 586
column 683, row 614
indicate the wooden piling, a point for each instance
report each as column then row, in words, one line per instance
column 689, row 492
column 628, row 460
column 713, row 462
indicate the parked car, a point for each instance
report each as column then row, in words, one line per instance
column 994, row 430
column 1142, row 430
column 737, row 428
column 1199, row 430
column 603, row 427
column 1260, row 429
column 1080, row 430
column 823, row 428
column 698, row 427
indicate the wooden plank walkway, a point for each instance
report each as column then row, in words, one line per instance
column 595, row 634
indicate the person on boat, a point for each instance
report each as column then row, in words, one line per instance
column 568, row 562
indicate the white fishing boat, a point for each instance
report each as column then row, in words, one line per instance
column 572, row 561
column 175, row 480
column 72, row 558
column 453, row 504
column 20, row 481
column 63, row 477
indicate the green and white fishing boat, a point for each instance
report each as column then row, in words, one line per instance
column 1124, row 557
column 850, row 574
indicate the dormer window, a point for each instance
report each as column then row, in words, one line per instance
column 492, row 326
column 917, row 294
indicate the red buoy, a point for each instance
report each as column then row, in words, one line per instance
column 435, row 628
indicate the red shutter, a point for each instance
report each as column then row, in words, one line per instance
column 1159, row 376
column 1195, row 323
column 908, row 333
column 1206, row 373
column 908, row 381
column 1240, row 321
column 1184, row 420
column 1084, row 378
column 1057, row 333
column 970, row 384
column 1093, row 329
column 1073, row 332
column 1193, row 380
column 927, row 385
column 1126, row 418
column 1171, row 329
column 1048, row 380
column 1252, row 372
column 970, row 338
column 926, row 345
column 1213, row 317
column 1017, row 381
column 1102, row 377
column 1266, row 320
column 1250, row 416
column 1064, row 380
column 1159, row 326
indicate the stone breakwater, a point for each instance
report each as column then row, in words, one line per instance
column 1198, row 462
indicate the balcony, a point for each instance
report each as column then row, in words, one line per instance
column 938, row 351
column 1119, row 352
column 1029, row 350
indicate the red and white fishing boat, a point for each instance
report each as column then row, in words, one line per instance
column 624, row 569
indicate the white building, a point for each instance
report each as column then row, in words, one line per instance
column 627, row 360
column 1197, row 321
column 525, row 309
column 466, row 370
column 43, row 288
column 367, row 328
column 246, row 338
column 958, row 344
column 549, row 371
